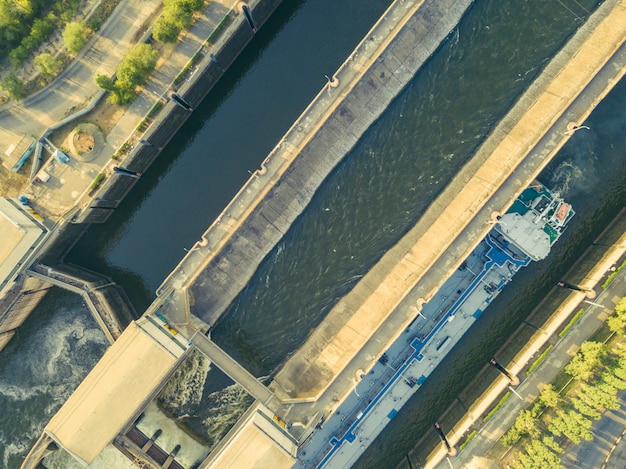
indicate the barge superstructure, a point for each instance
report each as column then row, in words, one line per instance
column 525, row 233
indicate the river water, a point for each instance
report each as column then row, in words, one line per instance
column 369, row 201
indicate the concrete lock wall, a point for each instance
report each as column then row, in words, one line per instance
column 372, row 76
column 172, row 117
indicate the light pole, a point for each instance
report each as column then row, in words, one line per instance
column 593, row 304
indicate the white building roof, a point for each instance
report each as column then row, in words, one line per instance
column 20, row 233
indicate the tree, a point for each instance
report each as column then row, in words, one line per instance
column 13, row 86
column 134, row 70
column 165, row 30
column 616, row 324
column 48, row 65
column 523, row 461
column 619, row 368
column 549, row 396
column 177, row 15
column 525, row 424
column 552, row 444
column 123, row 94
column 18, row 55
column 75, row 36
column 510, row 437
column 541, row 455
column 607, row 388
column 189, row 6
column 42, row 28
column 597, row 398
column 586, row 360
column 617, row 321
column 12, row 27
column 619, row 371
column 137, row 65
column 584, row 408
column 105, row 82
column 571, row 424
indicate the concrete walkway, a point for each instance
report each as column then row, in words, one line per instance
column 234, row 370
column 75, row 86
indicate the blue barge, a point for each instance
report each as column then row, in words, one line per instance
column 525, row 233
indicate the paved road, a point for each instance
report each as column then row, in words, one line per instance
column 529, row 389
column 70, row 181
column 606, row 431
column 75, row 87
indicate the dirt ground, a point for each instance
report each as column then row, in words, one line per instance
column 11, row 184
column 83, row 142
column 104, row 116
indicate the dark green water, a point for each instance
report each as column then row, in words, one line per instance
column 372, row 198
column 384, row 185
column 234, row 129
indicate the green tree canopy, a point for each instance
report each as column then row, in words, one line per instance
column 597, row 398
column 619, row 368
column 16, row 22
column 137, row 65
column 13, row 86
column 539, row 454
column 584, row 408
column 76, row 36
column 542, row 456
column 105, row 82
column 134, row 70
column 165, row 30
column 48, row 65
column 571, row 424
column 177, row 15
column 617, row 321
column 525, row 424
column 586, row 360
column 549, row 396
column 552, row 444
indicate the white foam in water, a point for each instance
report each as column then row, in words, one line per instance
column 185, row 388
column 109, row 458
column 40, row 369
column 190, row 452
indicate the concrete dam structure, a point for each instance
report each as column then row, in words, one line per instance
column 313, row 382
